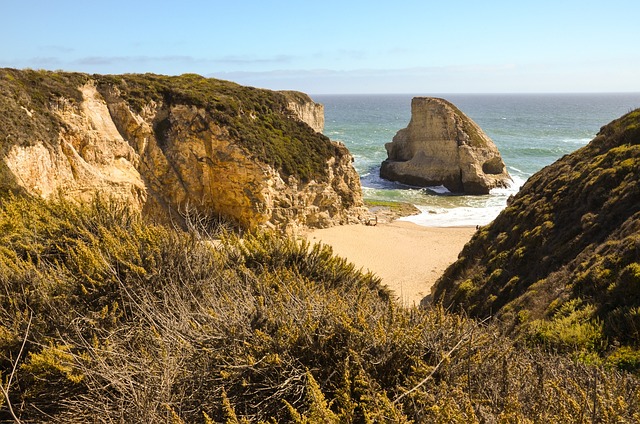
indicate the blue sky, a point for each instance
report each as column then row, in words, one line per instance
column 330, row 47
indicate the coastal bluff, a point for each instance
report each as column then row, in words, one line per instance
column 442, row 146
column 176, row 147
column 305, row 109
column 561, row 263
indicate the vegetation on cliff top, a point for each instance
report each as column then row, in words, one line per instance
column 258, row 120
column 26, row 99
column 561, row 264
column 296, row 96
column 104, row 318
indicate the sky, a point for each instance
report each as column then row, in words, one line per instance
column 338, row 47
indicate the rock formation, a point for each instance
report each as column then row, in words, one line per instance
column 442, row 146
column 171, row 146
column 90, row 156
column 305, row 109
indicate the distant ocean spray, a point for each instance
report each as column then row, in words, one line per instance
column 530, row 130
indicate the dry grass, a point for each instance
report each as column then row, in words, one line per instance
column 138, row 323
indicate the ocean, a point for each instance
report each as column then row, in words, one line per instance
column 531, row 131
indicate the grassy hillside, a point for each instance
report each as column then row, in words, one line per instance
column 105, row 318
column 561, row 264
column 25, row 104
column 258, row 120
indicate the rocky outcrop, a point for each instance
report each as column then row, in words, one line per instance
column 185, row 146
column 305, row 109
column 197, row 165
column 442, row 146
column 90, row 156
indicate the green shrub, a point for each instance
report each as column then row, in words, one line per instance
column 571, row 328
column 569, row 235
column 625, row 358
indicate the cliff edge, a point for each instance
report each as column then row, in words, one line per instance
column 175, row 147
column 305, row 109
column 442, row 146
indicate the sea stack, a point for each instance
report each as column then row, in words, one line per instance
column 442, row 146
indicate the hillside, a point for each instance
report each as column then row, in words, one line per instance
column 172, row 146
column 106, row 318
column 561, row 264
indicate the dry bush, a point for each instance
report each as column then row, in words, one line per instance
column 137, row 323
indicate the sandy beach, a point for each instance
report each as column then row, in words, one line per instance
column 409, row 258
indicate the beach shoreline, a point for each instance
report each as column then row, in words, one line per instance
column 409, row 258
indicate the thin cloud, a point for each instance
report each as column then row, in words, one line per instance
column 471, row 78
column 56, row 49
column 366, row 72
column 115, row 60
column 189, row 60
column 249, row 60
column 46, row 61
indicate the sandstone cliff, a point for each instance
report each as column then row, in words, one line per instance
column 561, row 264
column 172, row 146
column 442, row 146
column 305, row 109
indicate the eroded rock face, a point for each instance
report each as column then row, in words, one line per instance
column 91, row 157
column 306, row 110
column 195, row 164
column 171, row 158
column 442, row 146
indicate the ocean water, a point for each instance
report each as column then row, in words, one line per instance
column 531, row 131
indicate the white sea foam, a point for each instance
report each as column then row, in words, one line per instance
column 478, row 211
column 580, row 141
column 454, row 217
column 516, row 183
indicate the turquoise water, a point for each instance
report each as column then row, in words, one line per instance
column 530, row 130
